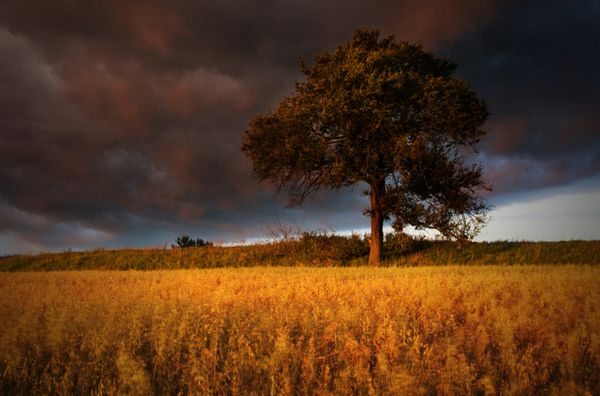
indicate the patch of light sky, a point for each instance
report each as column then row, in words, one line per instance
column 564, row 213
column 552, row 214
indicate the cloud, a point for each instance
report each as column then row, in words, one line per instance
column 536, row 67
column 23, row 231
column 199, row 90
column 437, row 22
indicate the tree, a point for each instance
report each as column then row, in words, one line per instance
column 385, row 115
column 185, row 241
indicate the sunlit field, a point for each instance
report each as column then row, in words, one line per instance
column 427, row 330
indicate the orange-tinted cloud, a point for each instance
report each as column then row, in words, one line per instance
column 435, row 22
column 154, row 24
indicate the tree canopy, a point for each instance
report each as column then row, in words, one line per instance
column 185, row 241
column 386, row 115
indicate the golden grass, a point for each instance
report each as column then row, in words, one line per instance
column 427, row 330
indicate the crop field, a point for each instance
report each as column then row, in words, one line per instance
column 415, row 330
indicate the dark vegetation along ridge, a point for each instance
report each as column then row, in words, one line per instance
column 317, row 250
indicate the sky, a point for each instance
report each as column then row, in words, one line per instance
column 121, row 121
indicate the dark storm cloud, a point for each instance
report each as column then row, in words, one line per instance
column 536, row 65
column 121, row 121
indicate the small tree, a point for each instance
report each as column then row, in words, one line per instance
column 185, row 241
column 386, row 115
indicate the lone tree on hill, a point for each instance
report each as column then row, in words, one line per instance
column 386, row 115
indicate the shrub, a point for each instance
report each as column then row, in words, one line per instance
column 400, row 244
column 333, row 247
column 185, row 241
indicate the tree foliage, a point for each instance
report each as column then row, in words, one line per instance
column 383, row 114
column 185, row 241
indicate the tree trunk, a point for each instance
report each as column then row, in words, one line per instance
column 377, row 216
